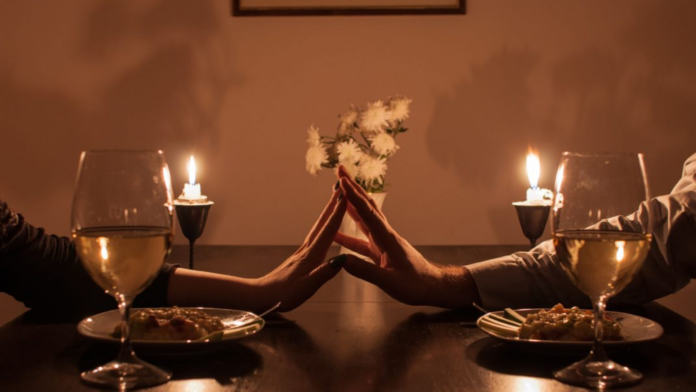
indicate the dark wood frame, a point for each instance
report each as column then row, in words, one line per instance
column 280, row 11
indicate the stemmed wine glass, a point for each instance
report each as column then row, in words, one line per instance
column 122, row 228
column 599, row 248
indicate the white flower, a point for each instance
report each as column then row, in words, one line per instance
column 372, row 169
column 375, row 117
column 347, row 121
column 383, row 144
column 399, row 108
column 345, row 129
column 313, row 136
column 315, row 157
column 349, row 117
column 352, row 169
column 349, row 152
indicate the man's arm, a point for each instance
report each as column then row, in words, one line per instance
column 536, row 278
column 524, row 279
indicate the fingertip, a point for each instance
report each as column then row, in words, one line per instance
column 337, row 262
column 353, row 262
column 363, row 269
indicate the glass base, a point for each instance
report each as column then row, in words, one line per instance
column 126, row 375
column 596, row 374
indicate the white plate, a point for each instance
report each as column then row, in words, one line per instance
column 100, row 327
column 636, row 329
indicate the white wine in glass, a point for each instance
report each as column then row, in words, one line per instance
column 122, row 228
column 600, row 244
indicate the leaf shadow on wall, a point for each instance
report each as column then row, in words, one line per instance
column 638, row 95
column 167, row 96
column 159, row 101
column 485, row 126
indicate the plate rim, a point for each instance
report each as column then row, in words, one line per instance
column 82, row 329
column 614, row 314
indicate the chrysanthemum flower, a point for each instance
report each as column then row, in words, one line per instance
column 349, row 117
column 372, row 169
column 399, row 108
column 313, row 136
column 352, row 169
column 383, row 144
column 375, row 117
column 349, row 152
column 315, row 157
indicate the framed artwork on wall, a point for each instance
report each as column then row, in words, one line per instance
column 346, row 7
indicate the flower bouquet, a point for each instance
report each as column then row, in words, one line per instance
column 364, row 142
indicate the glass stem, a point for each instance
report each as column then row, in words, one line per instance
column 126, row 354
column 598, row 353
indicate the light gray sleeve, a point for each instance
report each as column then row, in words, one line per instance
column 536, row 279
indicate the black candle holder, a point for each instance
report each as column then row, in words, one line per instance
column 192, row 215
column 533, row 218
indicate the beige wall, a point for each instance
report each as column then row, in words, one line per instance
column 186, row 77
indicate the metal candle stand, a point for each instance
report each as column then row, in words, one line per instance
column 192, row 216
column 533, row 219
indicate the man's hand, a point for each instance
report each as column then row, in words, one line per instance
column 397, row 267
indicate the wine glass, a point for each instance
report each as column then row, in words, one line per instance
column 122, row 228
column 598, row 247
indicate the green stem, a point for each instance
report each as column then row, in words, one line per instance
column 365, row 139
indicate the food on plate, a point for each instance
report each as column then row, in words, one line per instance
column 171, row 324
column 557, row 323
column 574, row 324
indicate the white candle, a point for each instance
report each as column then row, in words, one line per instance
column 192, row 191
column 535, row 194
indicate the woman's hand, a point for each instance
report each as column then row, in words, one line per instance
column 303, row 273
column 291, row 283
column 397, row 267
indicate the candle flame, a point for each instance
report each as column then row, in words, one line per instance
column 192, row 171
column 533, row 169
column 620, row 251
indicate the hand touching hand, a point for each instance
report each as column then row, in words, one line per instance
column 291, row 283
column 303, row 273
column 397, row 267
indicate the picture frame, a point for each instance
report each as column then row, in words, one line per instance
column 346, row 7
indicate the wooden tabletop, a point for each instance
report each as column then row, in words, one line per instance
column 349, row 337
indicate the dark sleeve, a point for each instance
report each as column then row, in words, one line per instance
column 44, row 272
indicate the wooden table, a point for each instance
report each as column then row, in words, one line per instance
column 349, row 337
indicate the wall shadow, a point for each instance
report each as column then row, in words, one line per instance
column 163, row 71
column 624, row 97
column 493, row 125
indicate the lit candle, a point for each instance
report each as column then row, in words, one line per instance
column 192, row 191
column 536, row 195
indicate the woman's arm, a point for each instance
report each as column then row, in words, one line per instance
column 44, row 272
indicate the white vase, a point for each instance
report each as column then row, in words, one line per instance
column 349, row 227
